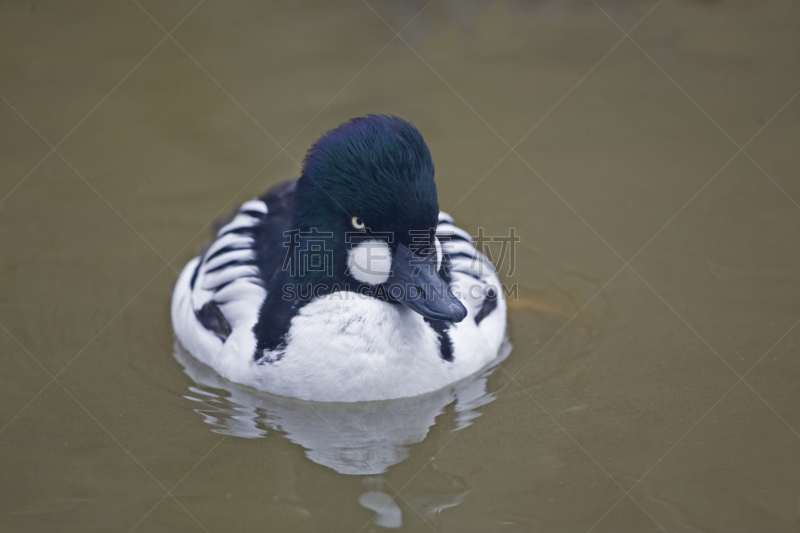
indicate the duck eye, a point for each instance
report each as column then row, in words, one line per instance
column 357, row 223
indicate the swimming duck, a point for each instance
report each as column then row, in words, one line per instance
column 346, row 284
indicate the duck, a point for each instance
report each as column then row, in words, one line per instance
column 347, row 283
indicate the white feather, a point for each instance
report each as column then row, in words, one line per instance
column 449, row 230
column 245, row 254
column 370, row 262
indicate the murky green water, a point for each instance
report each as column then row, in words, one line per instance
column 653, row 380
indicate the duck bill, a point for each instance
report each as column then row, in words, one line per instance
column 416, row 284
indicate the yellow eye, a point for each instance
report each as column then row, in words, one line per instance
column 357, row 223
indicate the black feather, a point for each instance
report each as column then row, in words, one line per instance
column 211, row 317
column 489, row 305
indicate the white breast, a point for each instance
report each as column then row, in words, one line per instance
column 349, row 347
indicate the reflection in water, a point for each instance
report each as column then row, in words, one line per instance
column 362, row 438
column 388, row 512
column 442, row 490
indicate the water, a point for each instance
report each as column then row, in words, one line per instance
column 658, row 263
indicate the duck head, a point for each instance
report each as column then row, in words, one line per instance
column 369, row 184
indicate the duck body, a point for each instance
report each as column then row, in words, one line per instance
column 298, row 298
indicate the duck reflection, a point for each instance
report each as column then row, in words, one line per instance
column 442, row 490
column 361, row 438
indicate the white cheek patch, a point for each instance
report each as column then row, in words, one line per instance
column 370, row 262
column 438, row 253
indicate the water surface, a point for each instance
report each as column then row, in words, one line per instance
column 652, row 384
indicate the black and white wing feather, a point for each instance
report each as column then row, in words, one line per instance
column 473, row 342
column 473, row 277
column 219, row 294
